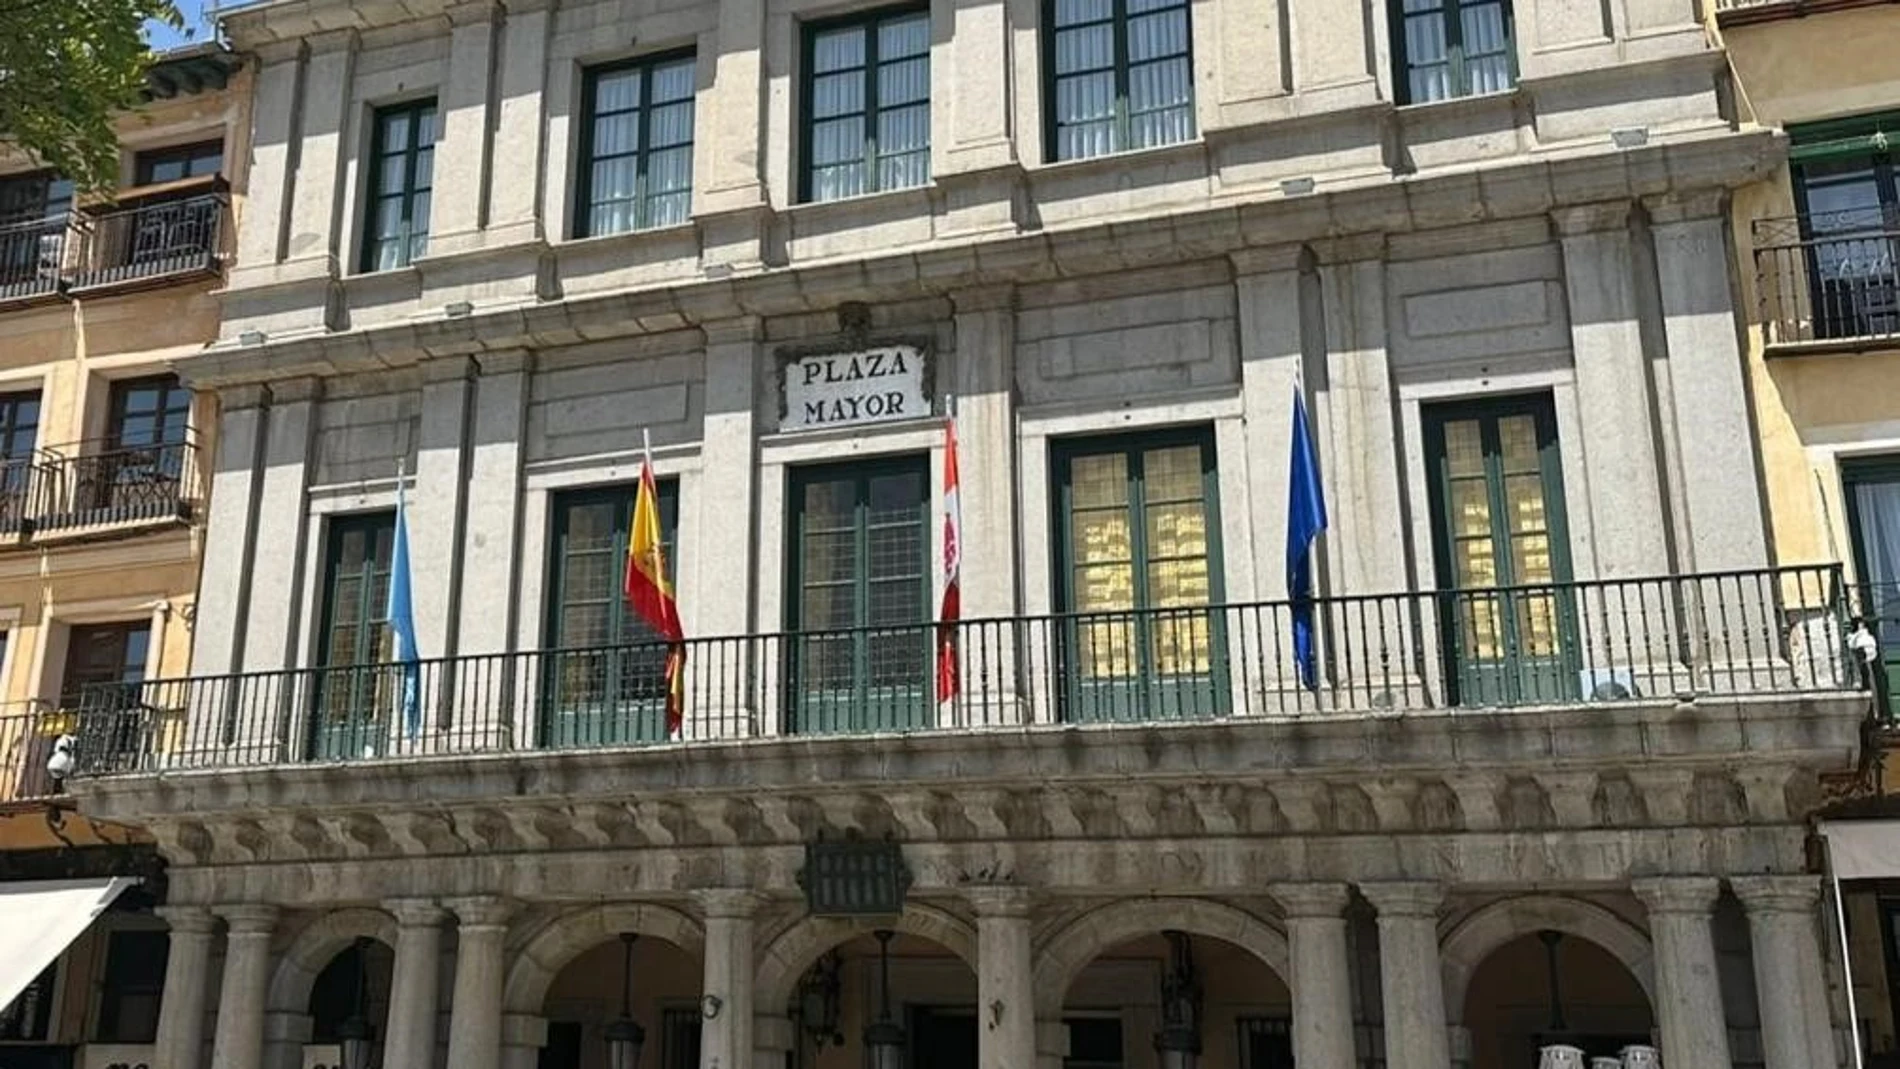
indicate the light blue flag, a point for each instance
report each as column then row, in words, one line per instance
column 1305, row 519
column 402, row 619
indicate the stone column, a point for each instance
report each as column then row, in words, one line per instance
column 522, row 1037
column 1410, row 977
column 725, row 1037
column 181, row 1010
column 1790, row 979
column 480, row 966
column 1005, row 978
column 415, row 979
column 239, row 1042
column 1688, row 989
column 1321, row 980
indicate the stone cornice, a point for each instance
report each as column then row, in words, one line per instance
column 1346, row 220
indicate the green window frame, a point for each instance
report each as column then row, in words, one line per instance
column 101, row 654
column 1502, row 553
column 1119, row 76
column 355, row 690
column 605, row 673
column 1446, row 49
column 866, row 104
column 636, row 152
column 400, row 178
column 858, row 608
column 1138, row 576
column 1846, row 177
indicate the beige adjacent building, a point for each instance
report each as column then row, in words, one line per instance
column 1541, row 783
column 103, row 495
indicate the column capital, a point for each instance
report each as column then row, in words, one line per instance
column 249, row 918
column 1267, row 259
column 1693, row 895
column 727, row 902
column 481, row 912
column 1777, row 894
column 416, row 912
column 984, row 299
column 243, row 395
column 1688, row 206
column 1592, row 218
column 294, row 390
column 1407, row 898
column 1311, row 899
column 734, row 330
column 188, row 920
column 999, row 900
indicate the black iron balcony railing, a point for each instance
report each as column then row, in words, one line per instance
column 108, row 483
column 1829, row 277
column 156, row 238
column 1730, row 634
column 29, row 731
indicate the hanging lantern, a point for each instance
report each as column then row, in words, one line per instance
column 354, row 1035
column 625, row 1037
column 1179, row 1041
column 884, row 1039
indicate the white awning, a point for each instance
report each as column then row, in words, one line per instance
column 1863, row 849
column 40, row 918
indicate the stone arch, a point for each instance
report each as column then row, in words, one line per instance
column 314, row 947
column 1087, row 937
column 1475, row 937
column 567, row 936
column 798, row 947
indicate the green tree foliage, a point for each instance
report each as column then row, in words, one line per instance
column 66, row 67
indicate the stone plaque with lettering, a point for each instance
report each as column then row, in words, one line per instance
column 867, row 386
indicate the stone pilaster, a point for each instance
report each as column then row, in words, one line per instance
column 1410, row 976
column 181, row 1012
column 480, row 963
column 1005, row 978
column 725, row 1035
column 1321, row 980
column 1790, row 979
column 239, row 1042
column 1688, row 992
column 415, row 981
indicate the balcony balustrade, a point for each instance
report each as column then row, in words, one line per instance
column 99, row 485
column 1771, row 632
column 1829, row 277
column 159, row 238
column 28, row 733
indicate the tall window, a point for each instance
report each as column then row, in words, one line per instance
column 402, row 170
column 607, row 671
column 355, row 691
column 867, row 105
column 1452, row 48
column 1847, row 190
column 637, row 147
column 1121, row 75
column 860, row 595
column 1873, row 516
column 32, row 228
column 100, row 654
column 1139, row 540
column 149, row 412
column 19, row 434
column 184, row 161
column 134, row 981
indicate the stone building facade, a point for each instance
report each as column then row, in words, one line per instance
column 1547, row 780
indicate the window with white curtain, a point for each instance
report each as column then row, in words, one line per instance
column 401, row 177
column 1452, row 48
column 867, row 105
column 1121, row 76
column 636, row 147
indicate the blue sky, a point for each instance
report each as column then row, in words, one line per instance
column 164, row 37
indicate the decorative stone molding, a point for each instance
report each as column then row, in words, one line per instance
column 1593, row 218
column 727, row 902
column 784, row 960
column 417, row 912
column 194, row 920
column 1777, row 894
column 1410, row 898
column 250, row 918
column 1694, row 895
column 482, row 911
column 1311, row 899
column 315, row 945
column 567, row 936
column 1475, row 937
column 1000, row 901
column 1065, row 952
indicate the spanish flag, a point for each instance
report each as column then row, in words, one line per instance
column 652, row 596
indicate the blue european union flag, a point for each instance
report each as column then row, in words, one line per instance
column 1305, row 519
column 401, row 616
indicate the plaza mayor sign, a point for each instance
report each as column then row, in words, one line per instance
column 868, row 386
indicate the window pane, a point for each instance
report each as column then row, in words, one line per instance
column 838, row 140
column 1070, row 12
column 1157, row 35
column 670, row 125
column 616, row 135
column 903, row 82
column 673, row 82
column 837, row 50
column 617, row 91
column 1091, row 48
column 907, row 36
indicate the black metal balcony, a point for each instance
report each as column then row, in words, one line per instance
column 1669, row 639
column 105, row 483
column 32, row 258
column 29, row 731
column 161, row 238
column 1831, row 277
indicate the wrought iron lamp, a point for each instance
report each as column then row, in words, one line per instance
column 625, row 1037
column 818, row 1003
column 1179, row 1041
column 884, row 1037
column 355, row 1036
